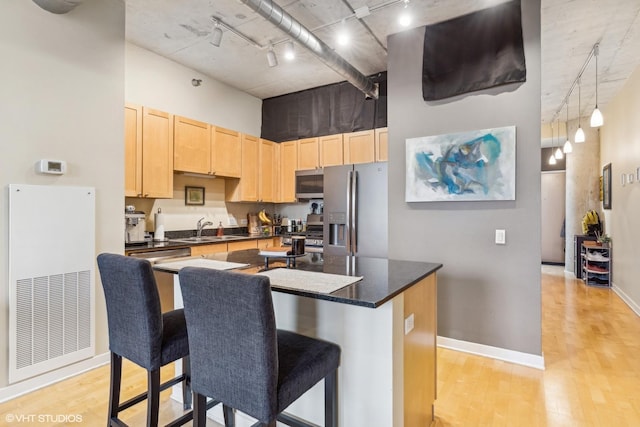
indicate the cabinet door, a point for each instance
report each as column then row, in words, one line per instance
column 308, row 154
column 191, row 146
column 359, row 147
column 226, row 153
column 157, row 154
column 266, row 174
column 133, row 150
column 331, row 150
column 288, row 162
column 382, row 146
column 208, row 249
column 250, row 164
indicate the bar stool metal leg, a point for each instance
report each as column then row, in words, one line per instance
column 331, row 399
column 186, row 384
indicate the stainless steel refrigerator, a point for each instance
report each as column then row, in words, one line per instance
column 355, row 210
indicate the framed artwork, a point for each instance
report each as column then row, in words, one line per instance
column 194, row 196
column 606, row 186
column 469, row 166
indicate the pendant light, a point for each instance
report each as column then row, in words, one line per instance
column 596, row 117
column 552, row 158
column 567, row 148
column 579, row 133
column 559, row 155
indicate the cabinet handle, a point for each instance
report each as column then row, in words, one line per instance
column 146, row 195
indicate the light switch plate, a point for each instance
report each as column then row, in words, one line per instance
column 501, row 237
column 409, row 324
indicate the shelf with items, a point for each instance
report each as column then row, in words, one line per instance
column 596, row 264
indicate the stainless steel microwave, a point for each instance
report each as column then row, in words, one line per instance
column 309, row 184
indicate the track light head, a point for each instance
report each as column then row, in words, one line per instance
column 288, row 51
column 271, row 58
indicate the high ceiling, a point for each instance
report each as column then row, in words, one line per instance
column 182, row 32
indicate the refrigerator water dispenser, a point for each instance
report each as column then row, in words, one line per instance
column 337, row 228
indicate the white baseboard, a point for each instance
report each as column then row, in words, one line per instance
column 627, row 299
column 525, row 359
column 27, row 386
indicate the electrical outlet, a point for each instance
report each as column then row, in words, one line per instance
column 501, row 237
column 409, row 323
column 243, row 221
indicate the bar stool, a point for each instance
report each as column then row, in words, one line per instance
column 139, row 332
column 239, row 357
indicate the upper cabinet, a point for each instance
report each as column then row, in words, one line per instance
column 148, row 152
column 359, row 147
column 226, row 156
column 288, row 160
column 245, row 189
column 267, row 171
column 331, row 150
column 308, row 154
column 382, row 147
column 192, row 146
column 132, row 150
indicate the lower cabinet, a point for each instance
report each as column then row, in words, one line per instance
column 208, row 249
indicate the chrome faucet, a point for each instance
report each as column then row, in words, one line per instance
column 200, row 226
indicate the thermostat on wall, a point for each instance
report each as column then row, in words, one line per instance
column 55, row 167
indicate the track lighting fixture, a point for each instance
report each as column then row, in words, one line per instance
column 579, row 133
column 288, row 51
column 567, row 148
column 552, row 158
column 216, row 36
column 271, row 57
column 342, row 37
column 596, row 117
column 559, row 154
column 405, row 16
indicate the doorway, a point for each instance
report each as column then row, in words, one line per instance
column 553, row 217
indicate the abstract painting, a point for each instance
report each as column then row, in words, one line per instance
column 467, row 166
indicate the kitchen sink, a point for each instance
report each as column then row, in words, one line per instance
column 205, row 239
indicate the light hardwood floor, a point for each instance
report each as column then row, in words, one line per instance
column 591, row 344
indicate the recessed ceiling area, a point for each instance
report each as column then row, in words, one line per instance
column 182, row 31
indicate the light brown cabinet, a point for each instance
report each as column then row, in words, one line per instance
column 157, row 153
column 331, row 150
column 132, row 150
column 308, row 154
column 359, row 147
column 191, row 146
column 226, row 153
column 240, row 245
column 287, row 165
column 382, row 145
column 148, row 152
column 266, row 172
column 208, row 249
column 245, row 189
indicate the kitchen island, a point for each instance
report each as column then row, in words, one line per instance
column 385, row 324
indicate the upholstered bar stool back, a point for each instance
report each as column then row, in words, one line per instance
column 239, row 357
column 140, row 332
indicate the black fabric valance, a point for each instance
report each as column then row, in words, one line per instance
column 324, row 110
column 473, row 52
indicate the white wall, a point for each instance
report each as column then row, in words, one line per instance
column 620, row 146
column 160, row 83
column 61, row 97
column 487, row 294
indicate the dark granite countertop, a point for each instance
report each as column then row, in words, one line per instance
column 382, row 280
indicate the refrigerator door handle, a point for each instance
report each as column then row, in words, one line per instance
column 354, row 212
column 348, row 219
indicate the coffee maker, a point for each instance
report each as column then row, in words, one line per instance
column 134, row 226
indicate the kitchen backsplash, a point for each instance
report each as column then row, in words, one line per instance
column 178, row 216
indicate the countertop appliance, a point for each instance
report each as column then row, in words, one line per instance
column 134, row 226
column 313, row 234
column 309, row 184
column 355, row 210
